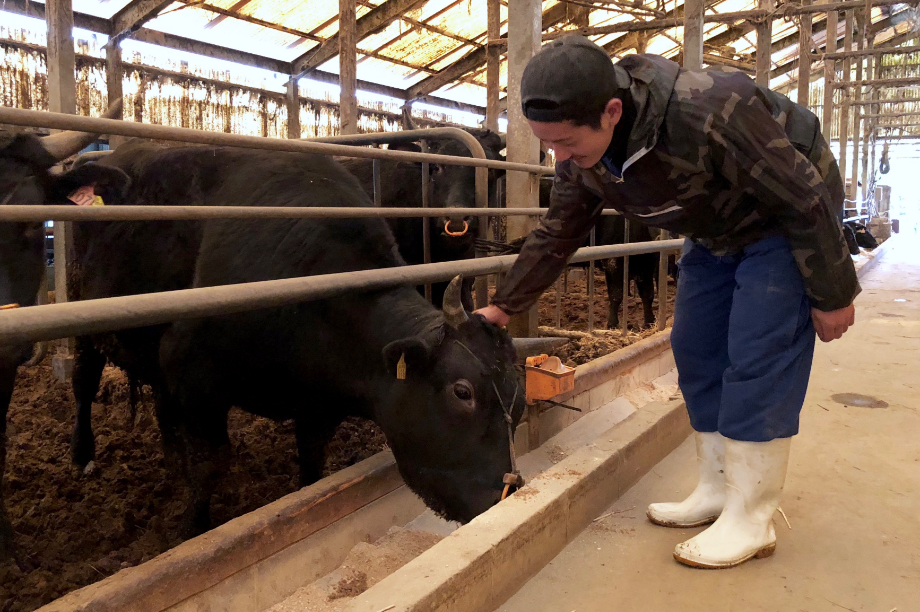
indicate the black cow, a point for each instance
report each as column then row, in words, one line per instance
column 451, row 186
column 643, row 269
column 25, row 179
column 316, row 362
column 861, row 235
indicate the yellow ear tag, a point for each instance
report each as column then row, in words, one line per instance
column 97, row 201
column 401, row 368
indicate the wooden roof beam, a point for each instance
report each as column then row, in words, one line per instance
column 135, row 14
column 371, row 22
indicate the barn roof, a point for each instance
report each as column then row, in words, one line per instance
column 438, row 47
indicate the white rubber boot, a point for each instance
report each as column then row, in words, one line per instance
column 754, row 477
column 705, row 503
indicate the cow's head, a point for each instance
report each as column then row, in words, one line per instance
column 455, row 187
column 446, row 419
column 26, row 179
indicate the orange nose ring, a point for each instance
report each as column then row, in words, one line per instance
column 466, row 227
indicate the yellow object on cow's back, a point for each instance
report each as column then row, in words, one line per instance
column 401, row 367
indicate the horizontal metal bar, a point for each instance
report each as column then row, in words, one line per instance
column 62, row 121
column 869, row 102
column 69, row 319
column 906, row 81
column 873, row 51
column 18, row 213
column 889, row 115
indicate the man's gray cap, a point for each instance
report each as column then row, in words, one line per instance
column 570, row 76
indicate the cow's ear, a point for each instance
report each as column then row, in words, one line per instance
column 111, row 184
column 406, row 357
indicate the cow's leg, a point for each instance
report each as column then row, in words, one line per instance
column 208, row 456
column 87, row 372
column 174, row 451
column 312, row 437
column 645, row 283
column 7, row 380
column 613, row 274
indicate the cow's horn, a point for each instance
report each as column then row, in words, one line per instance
column 63, row 145
column 453, row 306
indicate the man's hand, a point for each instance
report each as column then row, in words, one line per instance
column 831, row 325
column 494, row 315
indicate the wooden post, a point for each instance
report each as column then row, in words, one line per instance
column 830, row 75
column 114, row 81
column 493, row 64
column 844, row 131
column 693, row 34
column 525, row 25
column 62, row 98
column 804, row 56
column 764, row 43
column 293, row 109
column 348, row 68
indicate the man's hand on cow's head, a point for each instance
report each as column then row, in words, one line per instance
column 494, row 315
column 832, row 325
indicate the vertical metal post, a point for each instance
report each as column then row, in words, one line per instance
column 857, row 96
column 865, row 135
column 493, row 71
column 764, row 42
column 590, row 282
column 662, row 284
column 378, row 187
column 693, row 34
column 62, row 98
column 559, row 288
column 525, row 26
column 114, row 81
column 830, row 76
column 426, row 223
column 348, row 68
column 293, row 109
column 804, row 56
column 844, row 131
column 624, row 322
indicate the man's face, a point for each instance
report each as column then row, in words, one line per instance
column 582, row 144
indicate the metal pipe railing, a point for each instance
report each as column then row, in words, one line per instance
column 63, row 121
column 69, row 319
column 23, row 213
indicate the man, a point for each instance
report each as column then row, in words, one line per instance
column 743, row 173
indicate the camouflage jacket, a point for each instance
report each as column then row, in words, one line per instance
column 715, row 157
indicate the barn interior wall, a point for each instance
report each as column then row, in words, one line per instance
column 182, row 94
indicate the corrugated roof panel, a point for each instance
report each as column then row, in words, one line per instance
column 466, row 20
column 190, row 22
column 305, row 15
column 100, row 9
column 421, row 47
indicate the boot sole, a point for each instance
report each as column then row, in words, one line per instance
column 676, row 525
column 763, row 553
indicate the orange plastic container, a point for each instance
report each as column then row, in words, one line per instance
column 547, row 377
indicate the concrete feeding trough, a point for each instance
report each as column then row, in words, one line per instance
column 257, row 560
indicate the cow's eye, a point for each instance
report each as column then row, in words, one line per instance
column 463, row 391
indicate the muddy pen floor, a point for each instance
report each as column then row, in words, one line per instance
column 74, row 527
column 574, row 317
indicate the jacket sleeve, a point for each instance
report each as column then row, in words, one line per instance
column 753, row 152
column 573, row 211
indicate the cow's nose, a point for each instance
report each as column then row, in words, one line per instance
column 456, row 227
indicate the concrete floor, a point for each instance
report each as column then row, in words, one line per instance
column 852, row 495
